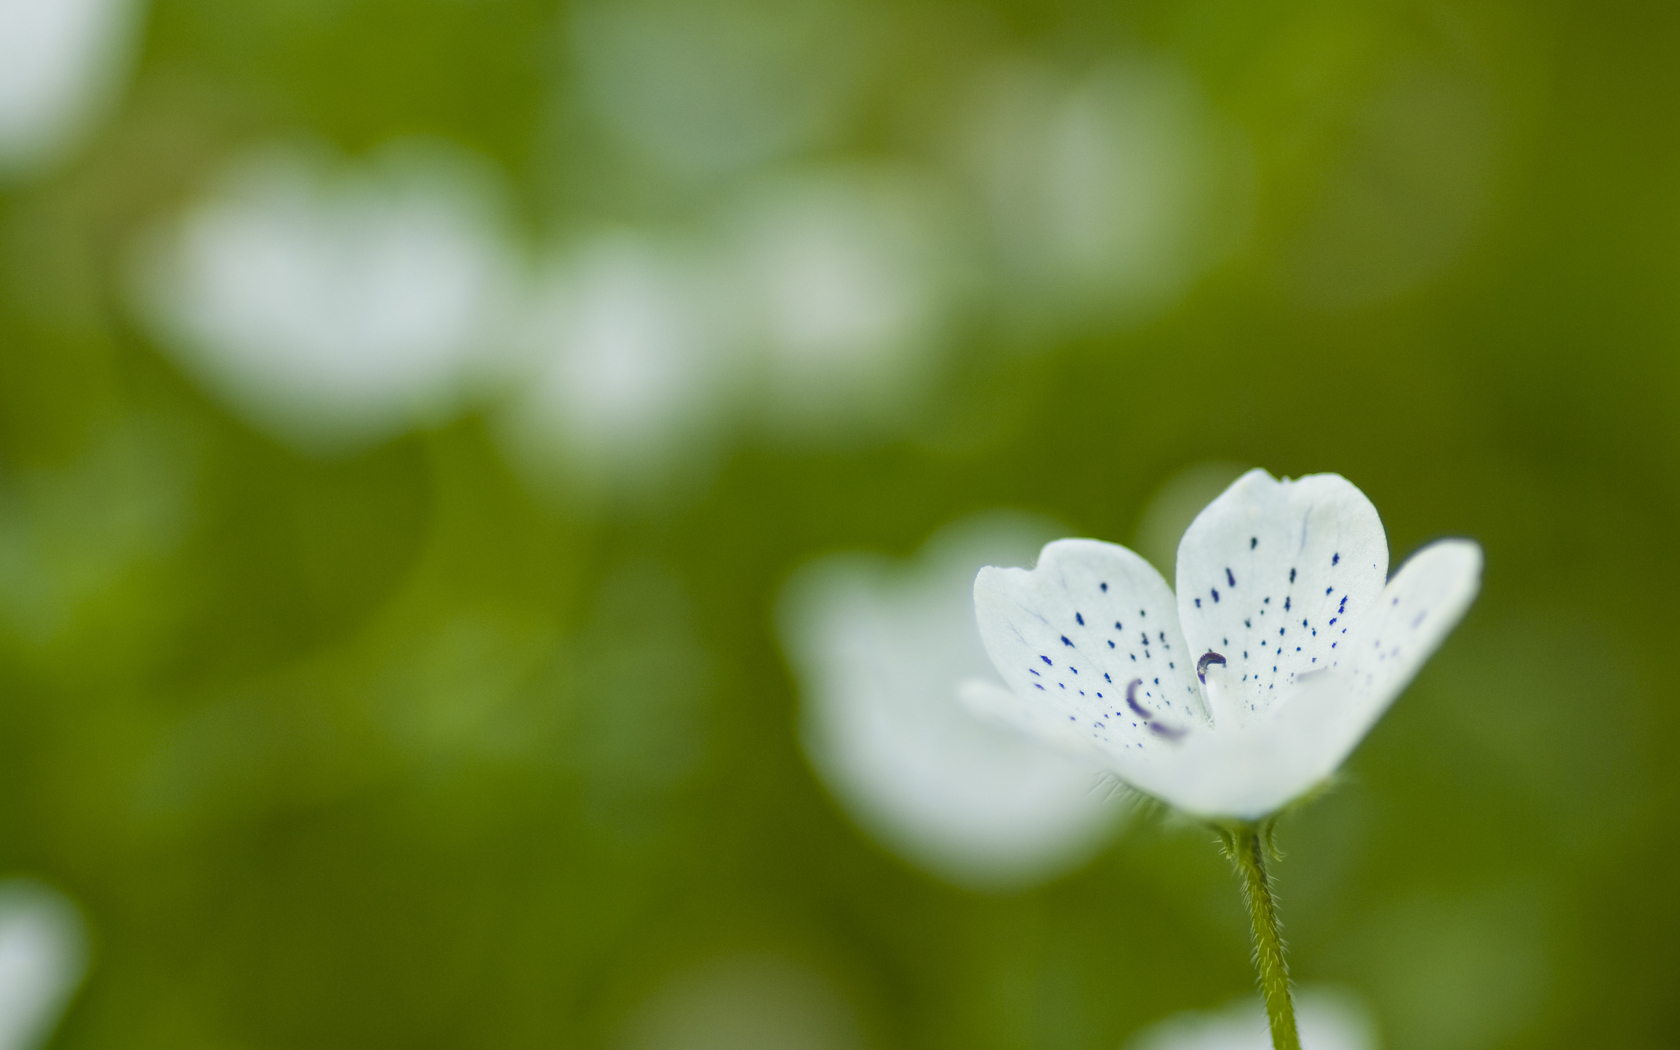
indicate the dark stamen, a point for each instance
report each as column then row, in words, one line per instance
column 1209, row 657
column 1131, row 699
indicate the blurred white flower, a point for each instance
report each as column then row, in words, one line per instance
column 816, row 305
column 879, row 650
column 1281, row 650
column 1329, row 1019
column 1103, row 194
column 631, row 362
column 334, row 304
column 61, row 62
column 706, row 87
column 43, row 957
column 849, row 276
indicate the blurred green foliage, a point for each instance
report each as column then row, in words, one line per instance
column 388, row 749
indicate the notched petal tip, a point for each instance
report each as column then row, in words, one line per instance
column 1441, row 578
column 1458, row 553
column 1271, row 574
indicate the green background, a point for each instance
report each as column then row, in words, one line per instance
column 385, row 749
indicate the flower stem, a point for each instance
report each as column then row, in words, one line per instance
column 1246, row 850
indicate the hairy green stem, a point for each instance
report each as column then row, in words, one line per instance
column 1248, row 853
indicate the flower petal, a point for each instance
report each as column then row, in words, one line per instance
column 1250, row 771
column 1331, row 713
column 1000, row 706
column 1089, row 641
column 1272, row 574
column 1242, row 773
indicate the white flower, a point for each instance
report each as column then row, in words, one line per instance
column 1103, row 193
column 880, row 650
column 1281, row 650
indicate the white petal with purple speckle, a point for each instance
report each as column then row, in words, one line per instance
column 1280, row 650
column 1266, row 575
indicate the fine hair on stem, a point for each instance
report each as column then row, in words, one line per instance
column 1247, row 846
